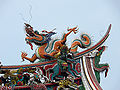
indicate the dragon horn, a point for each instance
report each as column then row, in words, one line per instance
column 76, row 26
column 53, row 30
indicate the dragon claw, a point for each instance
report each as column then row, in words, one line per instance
column 106, row 72
column 75, row 29
column 23, row 55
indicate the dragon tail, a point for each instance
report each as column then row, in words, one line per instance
column 84, row 42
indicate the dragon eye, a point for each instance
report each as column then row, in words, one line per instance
column 99, row 48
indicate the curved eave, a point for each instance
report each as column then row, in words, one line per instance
column 90, row 82
column 78, row 55
column 27, row 65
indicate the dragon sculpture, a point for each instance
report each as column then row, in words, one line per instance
column 99, row 67
column 48, row 49
column 59, row 67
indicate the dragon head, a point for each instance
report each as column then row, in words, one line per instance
column 36, row 37
column 101, row 50
column 29, row 30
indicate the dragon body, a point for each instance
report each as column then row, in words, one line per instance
column 96, row 64
column 84, row 42
column 43, row 42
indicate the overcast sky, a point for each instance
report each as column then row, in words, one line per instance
column 91, row 16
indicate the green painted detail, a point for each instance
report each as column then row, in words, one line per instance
column 63, row 36
column 97, row 59
column 97, row 74
column 99, row 67
column 81, row 87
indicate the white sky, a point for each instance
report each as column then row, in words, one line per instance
column 91, row 16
